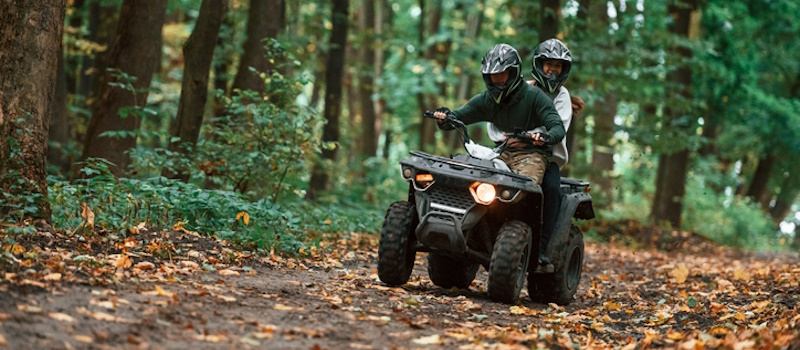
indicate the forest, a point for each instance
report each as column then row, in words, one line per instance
column 183, row 172
column 296, row 113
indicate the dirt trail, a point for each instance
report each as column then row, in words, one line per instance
column 183, row 291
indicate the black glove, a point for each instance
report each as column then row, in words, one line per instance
column 545, row 137
column 447, row 122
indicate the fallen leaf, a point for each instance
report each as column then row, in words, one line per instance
column 87, row 215
column 243, row 215
column 228, row 273
column 83, row 339
column 188, row 264
column 283, row 307
column 123, row 262
column 226, row 298
column 3, row 340
column 55, row 276
column 741, row 275
column 429, row 340
column 29, row 309
column 211, row 338
column 17, row 249
column 144, row 265
column 163, row 293
column 61, row 317
column 680, row 273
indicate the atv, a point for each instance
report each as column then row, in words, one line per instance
column 470, row 210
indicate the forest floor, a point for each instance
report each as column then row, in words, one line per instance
column 181, row 290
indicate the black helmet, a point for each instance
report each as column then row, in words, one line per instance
column 500, row 58
column 551, row 49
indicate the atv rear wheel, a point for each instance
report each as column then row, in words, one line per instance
column 509, row 261
column 396, row 250
column 447, row 272
column 559, row 287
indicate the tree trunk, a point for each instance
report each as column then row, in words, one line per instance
column 366, row 81
column 384, row 16
column 265, row 20
column 785, row 199
column 429, row 101
column 30, row 42
column 758, row 185
column 136, row 52
column 60, row 128
column 673, row 167
column 333, row 96
column 550, row 15
column 198, row 52
column 603, row 148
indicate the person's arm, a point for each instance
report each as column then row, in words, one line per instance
column 563, row 104
column 475, row 110
column 550, row 118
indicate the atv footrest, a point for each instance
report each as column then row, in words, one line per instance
column 545, row 268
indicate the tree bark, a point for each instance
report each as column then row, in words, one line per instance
column 60, row 128
column 674, row 166
column 435, row 53
column 333, row 96
column 265, row 20
column 758, row 185
column 550, row 15
column 366, row 81
column 198, row 52
column 384, row 16
column 603, row 148
column 136, row 52
column 30, row 42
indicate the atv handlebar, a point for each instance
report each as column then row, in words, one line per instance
column 518, row 134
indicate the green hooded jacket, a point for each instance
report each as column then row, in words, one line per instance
column 528, row 109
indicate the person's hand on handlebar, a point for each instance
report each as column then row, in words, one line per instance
column 441, row 113
column 536, row 139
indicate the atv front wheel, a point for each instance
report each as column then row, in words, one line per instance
column 559, row 287
column 396, row 250
column 447, row 272
column 509, row 261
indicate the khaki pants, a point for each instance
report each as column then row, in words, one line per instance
column 530, row 164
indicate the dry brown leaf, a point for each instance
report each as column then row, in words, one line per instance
column 228, row 273
column 123, row 262
column 55, row 276
column 188, row 264
column 61, row 317
column 29, row 309
column 211, row 338
column 144, row 266
column 87, row 215
column 226, row 298
column 680, row 273
column 429, row 340
column 83, row 339
column 164, row 293
column 741, row 275
column 282, row 307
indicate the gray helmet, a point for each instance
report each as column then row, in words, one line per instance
column 500, row 58
column 551, row 49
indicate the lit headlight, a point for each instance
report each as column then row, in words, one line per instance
column 483, row 193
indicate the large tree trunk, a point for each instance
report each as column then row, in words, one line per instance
column 265, row 20
column 603, row 148
column 136, row 52
column 673, row 167
column 366, row 81
column 60, row 128
column 758, row 185
column 550, row 15
column 428, row 101
column 384, row 16
column 333, row 96
column 198, row 52
column 30, row 42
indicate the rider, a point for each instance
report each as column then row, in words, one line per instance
column 551, row 66
column 510, row 104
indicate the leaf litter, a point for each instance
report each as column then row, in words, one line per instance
column 179, row 285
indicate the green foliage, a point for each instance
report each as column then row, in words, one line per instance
column 120, row 204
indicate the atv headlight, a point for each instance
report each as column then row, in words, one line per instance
column 483, row 193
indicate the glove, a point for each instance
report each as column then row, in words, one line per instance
column 545, row 137
column 446, row 123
